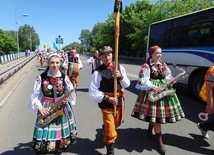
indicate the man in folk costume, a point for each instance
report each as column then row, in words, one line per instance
column 73, row 64
column 101, row 90
column 207, row 94
column 94, row 61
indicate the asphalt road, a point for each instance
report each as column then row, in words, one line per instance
column 17, row 121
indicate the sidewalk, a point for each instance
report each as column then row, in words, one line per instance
column 4, row 67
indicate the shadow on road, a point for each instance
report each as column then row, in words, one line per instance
column 130, row 140
column 196, row 144
column 21, row 149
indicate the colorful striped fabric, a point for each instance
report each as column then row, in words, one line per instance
column 165, row 110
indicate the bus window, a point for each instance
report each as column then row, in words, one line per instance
column 195, row 37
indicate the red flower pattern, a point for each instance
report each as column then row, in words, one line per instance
column 145, row 66
column 54, row 80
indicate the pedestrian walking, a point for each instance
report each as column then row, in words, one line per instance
column 207, row 94
column 73, row 64
column 94, row 61
column 101, row 90
column 157, row 102
column 52, row 97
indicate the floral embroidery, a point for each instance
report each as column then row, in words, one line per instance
column 39, row 146
column 48, row 86
column 64, row 143
column 60, row 89
column 155, row 73
column 145, row 66
column 51, row 146
column 158, row 70
column 141, row 73
column 60, row 82
column 54, row 80
column 45, row 83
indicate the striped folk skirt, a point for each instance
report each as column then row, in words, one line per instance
column 164, row 110
column 56, row 136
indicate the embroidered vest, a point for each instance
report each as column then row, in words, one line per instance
column 49, row 84
column 160, row 73
column 107, row 84
column 72, row 59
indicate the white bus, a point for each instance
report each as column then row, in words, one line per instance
column 188, row 42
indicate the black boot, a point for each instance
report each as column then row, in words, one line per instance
column 159, row 141
column 110, row 149
column 149, row 131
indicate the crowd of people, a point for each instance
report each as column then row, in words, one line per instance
column 157, row 103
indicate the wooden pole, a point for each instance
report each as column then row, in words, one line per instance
column 117, row 33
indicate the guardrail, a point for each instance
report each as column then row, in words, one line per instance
column 5, row 75
column 10, row 57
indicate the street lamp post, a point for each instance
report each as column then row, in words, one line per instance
column 17, row 31
column 30, row 37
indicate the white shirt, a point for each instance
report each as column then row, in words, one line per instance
column 144, row 82
column 80, row 65
column 95, row 94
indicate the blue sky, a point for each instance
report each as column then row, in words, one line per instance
column 51, row 18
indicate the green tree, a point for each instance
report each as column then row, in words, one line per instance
column 85, row 39
column 103, row 34
column 135, row 20
column 75, row 45
column 7, row 43
column 28, row 38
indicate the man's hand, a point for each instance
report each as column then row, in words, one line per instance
column 118, row 74
column 113, row 100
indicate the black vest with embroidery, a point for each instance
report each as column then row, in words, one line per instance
column 160, row 73
column 48, row 84
column 97, row 63
column 72, row 59
column 107, row 84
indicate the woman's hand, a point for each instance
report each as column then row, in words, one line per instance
column 157, row 89
column 65, row 100
column 43, row 111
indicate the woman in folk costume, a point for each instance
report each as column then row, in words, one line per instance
column 154, row 74
column 49, row 87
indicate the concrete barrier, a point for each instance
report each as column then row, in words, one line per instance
column 10, row 57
